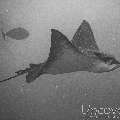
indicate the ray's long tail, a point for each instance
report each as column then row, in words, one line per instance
column 32, row 73
column 18, row 73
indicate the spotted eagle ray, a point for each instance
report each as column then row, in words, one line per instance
column 81, row 54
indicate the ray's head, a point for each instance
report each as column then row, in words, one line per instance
column 106, row 62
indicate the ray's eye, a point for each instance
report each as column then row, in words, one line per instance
column 114, row 61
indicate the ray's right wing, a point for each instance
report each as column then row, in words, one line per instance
column 84, row 38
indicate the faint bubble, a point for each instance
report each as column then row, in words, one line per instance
column 56, row 86
column 22, row 90
column 6, row 10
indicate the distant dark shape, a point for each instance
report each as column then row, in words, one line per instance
column 66, row 57
column 16, row 33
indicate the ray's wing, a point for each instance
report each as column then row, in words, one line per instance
column 84, row 38
column 63, row 56
column 59, row 45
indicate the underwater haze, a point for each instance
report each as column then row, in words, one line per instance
column 63, row 96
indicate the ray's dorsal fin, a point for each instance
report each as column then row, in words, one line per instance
column 84, row 37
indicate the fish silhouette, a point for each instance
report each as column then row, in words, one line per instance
column 16, row 33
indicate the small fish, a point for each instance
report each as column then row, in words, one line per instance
column 16, row 33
